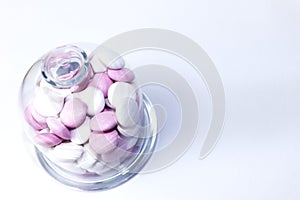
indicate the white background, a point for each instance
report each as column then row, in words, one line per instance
column 255, row 46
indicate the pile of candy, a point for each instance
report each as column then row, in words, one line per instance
column 90, row 129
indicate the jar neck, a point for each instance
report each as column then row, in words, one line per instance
column 65, row 67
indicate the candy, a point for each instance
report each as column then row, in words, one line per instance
column 91, row 126
column 127, row 113
column 81, row 134
column 31, row 121
column 73, row 113
column 48, row 103
column 119, row 91
column 102, row 143
column 124, row 75
column 66, row 152
column 103, row 121
column 58, row 128
column 39, row 118
column 47, row 139
column 93, row 98
column 102, row 82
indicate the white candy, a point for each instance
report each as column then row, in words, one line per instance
column 127, row 113
column 81, row 134
column 47, row 103
column 109, row 58
column 118, row 91
column 93, row 98
column 65, row 152
column 86, row 161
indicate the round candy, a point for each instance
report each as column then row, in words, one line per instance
column 48, row 103
column 39, row 118
column 81, row 134
column 102, row 143
column 58, row 128
column 73, row 113
column 102, row 82
column 47, row 139
column 103, row 121
column 93, row 98
column 118, row 91
column 65, row 152
column 123, row 75
column 128, row 113
column 31, row 121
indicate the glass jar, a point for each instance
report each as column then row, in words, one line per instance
column 88, row 121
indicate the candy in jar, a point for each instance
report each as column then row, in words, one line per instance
column 86, row 117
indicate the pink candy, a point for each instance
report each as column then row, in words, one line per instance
column 122, row 75
column 73, row 113
column 101, row 81
column 102, row 143
column 58, row 128
column 47, row 139
column 103, row 121
column 39, row 118
column 30, row 120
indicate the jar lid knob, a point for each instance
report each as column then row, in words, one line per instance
column 65, row 66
